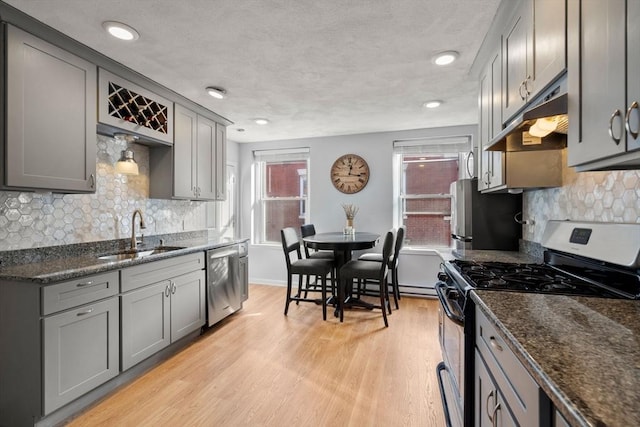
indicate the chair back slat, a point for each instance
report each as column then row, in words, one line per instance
column 399, row 242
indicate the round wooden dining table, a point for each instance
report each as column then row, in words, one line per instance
column 342, row 245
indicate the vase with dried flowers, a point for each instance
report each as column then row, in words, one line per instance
column 350, row 211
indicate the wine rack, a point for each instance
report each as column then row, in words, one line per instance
column 129, row 107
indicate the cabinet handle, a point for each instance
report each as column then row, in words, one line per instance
column 173, row 288
column 92, row 181
column 84, row 313
column 167, row 291
column 633, row 106
column 495, row 344
column 526, row 86
column 487, row 181
column 489, row 396
column 80, row 285
column 522, row 86
column 615, row 114
column 470, row 157
column 494, row 419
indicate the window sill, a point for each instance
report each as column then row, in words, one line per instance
column 424, row 250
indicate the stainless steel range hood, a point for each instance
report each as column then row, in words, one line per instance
column 549, row 107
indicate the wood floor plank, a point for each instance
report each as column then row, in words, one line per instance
column 261, row 368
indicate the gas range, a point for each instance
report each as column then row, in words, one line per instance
column 600, row 260
column 546, row 279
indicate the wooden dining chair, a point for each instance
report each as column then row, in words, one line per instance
column 310, row 230
column 393, row 265
column 367, row 270
column 304, row 267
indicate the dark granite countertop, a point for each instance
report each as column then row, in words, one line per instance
column 584, row 352
column 65, row 262
column 488, row 255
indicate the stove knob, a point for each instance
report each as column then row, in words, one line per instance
column 443, row 277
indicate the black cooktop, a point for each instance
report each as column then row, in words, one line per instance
column 539, row 278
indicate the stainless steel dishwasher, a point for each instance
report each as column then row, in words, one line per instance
column 224, row 288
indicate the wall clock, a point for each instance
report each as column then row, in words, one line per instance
column 349, row 173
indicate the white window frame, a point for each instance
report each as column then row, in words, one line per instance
column 261, row 159
column 452, row 146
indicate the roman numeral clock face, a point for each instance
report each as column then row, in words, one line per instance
column 349, row 173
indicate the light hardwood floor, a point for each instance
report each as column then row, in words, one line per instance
column 261, row 368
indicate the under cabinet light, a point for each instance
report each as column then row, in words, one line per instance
column 126, row 165
column 120, row 30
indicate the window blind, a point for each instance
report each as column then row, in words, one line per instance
column 447, row 144
column 283, row 154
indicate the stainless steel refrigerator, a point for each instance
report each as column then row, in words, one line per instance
column 484, row 221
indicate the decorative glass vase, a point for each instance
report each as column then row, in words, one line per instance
column 348, row 229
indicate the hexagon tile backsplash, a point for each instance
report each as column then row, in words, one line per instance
column 587, row 196
column 29, row 220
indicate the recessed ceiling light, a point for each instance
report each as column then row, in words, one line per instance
column 240, row 129
column 445, row 58
column 432, row 104
column 261, row 121
column 217, row 92
column 120, row 30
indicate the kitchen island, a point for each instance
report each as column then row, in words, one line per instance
column 582, row 351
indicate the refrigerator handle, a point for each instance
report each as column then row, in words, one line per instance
column 461, row 238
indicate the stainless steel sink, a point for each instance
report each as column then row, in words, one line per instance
column 129, row 254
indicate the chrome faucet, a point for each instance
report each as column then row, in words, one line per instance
column 134, row 242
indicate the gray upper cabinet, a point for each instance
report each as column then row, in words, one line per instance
column 518, row 48
column 603, row 95
column 534, row 48
column 491, row 162
column 127, row 107
column 194, row 168
column 50, row 117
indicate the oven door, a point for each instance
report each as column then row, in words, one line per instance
column 451, row 369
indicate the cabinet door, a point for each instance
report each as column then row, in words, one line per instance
column 80, row 351
column 490, row 407
column 184, row 152
column 244, row 277
column 145, row 322
column 188, row 309
column 51, row 123
column 484, row 131
column 596, row 79
column 221, row 162
column 516, row 48
column 633, row 69
column 549, row 42
column 206, row 159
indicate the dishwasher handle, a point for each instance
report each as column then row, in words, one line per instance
column 224, row 252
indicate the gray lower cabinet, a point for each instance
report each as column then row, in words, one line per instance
column 80, row 348
column 506, row 395
column 491, row 409
column 50, row 123
column 161, row 303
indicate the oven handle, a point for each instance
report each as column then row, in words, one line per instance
column 447, row 418
column 444, row 302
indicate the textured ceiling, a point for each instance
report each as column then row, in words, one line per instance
column 312, row 67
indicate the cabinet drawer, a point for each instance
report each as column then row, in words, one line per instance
column 520, row 391
column 152, row 272
column 73, row 293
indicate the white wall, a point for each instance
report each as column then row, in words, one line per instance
column 375, row 201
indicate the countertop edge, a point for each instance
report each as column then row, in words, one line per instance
column 90, row 264
column 561, row 401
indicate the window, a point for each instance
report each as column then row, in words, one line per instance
column 424, row 170
column 281, row 192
